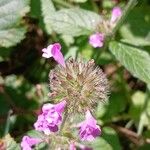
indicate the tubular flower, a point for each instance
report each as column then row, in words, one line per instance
column 54, row 50
column 89, row 129
column 82, row 84
column 116, row 14
column 97, row 40
column 28, row 142
column 50, row 118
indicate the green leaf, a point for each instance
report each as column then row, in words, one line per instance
column 35, row 134
column 108, row 141
column 47, row 10
column 134, row 59
column 74, row 21
column 102, row 144
column 110, row 135
column 11, row 30
column 136, row 29
column 10, row 143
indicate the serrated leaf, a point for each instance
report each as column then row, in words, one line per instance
column 47, row 10
column 10, row 143
column 11, row 30
column 74, row 21
column 136, row 29
column 135, row 60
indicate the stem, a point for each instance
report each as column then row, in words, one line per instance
column 7, row 123
column 63, row 122
column 126, row 11
column 102, row 50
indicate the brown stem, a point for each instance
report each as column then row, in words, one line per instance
column 131, row 135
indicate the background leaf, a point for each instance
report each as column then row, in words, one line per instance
column 74, row 21
column 136, row 29
column 11, row 30
column 134, row 59
column 108, row 141
column 47, row 10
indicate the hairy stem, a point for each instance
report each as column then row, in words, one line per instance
column 126, row 11
column 63, row 122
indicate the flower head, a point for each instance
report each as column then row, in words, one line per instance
column 54, row 50
column 81, row 84
column 28, row 142
column 96, row 40
column 50, row 118
column 89, row 129
column 116, row 14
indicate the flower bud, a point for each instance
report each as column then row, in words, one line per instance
column 97, row 40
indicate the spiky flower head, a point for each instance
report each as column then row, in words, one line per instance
column 81, row 84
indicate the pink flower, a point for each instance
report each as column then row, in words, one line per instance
column 96, row 40
column 54, row 50
column 88, row 128
column 28, row 142
column 116, row 14
column 50, row 118
column 72, row 146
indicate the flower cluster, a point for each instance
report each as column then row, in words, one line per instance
column 49, row 120
column 76, row 88
column 97, row 39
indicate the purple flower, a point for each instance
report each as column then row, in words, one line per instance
column 54, row 50
column 88, row 128
column 96, row 40
column 50, row 118
column 28, row 142
column 116, row 14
